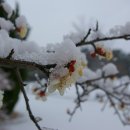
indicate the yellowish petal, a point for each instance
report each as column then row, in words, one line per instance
column 23, row 32
column 109, row 55
column 80, row 72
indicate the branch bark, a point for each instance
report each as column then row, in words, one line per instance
column 125, row 37
column 26, row 98
column 12, row 63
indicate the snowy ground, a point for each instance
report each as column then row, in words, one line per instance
column 54, row 115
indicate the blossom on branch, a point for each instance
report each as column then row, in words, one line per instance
column 69, row 69
column 61, row 81
column 21, row 26
column 102, row 52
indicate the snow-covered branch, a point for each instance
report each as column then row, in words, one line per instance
column 108, row 88
column 124, row 37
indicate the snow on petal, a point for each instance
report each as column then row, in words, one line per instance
column 69, row 68
column 21, row 21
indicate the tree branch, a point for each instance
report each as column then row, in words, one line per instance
column 26, row 98
column 125, row 37
column 120, row 97
column 10, row 54
column 92, row 80
column 12, row 63
column 83, row 40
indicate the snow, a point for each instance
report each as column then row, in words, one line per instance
column 88, row 74
column 107, row 70
column 21, row 21
column 80, row 31
column 53, row 113
column 119, row 30
column 30, row 51
column 110, row 69
column 7, row 8
column 125, row 79
column 6, row 25
column 108, row 85
column 62, row 54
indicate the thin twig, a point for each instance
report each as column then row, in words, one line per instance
column 80, row 100
column 97, row 27
column 116, row 110
column 10, row 54
column 78, row 96
column 73, row 112
column 85, row 37
column 125, row 37
column 112, row 94
column 96, row 79
column 26, row 98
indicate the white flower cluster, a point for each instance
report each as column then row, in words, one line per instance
column 63, row 77
column 19, row 25
column 70, row 63
column 67, row 57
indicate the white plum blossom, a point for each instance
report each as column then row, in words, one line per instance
column 21, row 24
column 69, row 70
column 40, row 94
column 62, row 78
column 70, row 61
column 38, row 89
column 102, row 52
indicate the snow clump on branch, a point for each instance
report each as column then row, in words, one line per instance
column 67, row 57
column 7, row 8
